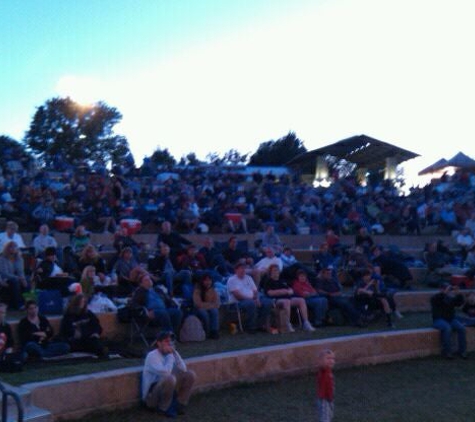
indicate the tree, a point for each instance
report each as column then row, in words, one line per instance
column 162, row 157
column 12, row 150
column 62, row 128
column 276, row 153
column 190, row 159
column 230, row 158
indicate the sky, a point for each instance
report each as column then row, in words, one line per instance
column 207, row 76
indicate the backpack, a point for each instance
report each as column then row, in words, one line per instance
column 192, row 329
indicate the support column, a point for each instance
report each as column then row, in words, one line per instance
column 321, row 173
column 390, row 170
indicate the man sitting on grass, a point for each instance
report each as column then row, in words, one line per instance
column 166, row 381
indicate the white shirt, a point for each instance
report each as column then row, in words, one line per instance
column 41, row 242
column 266, row 262
column 56, row 270
column 245, row 286
column 157, row 365
column 15, row 238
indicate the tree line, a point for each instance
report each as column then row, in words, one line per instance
column 63, row 129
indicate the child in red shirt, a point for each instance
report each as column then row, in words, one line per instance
column 325, row 385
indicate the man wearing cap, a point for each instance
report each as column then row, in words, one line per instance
column 166, row 381
column 243, row 291
column 327, row 285
column 443, row 306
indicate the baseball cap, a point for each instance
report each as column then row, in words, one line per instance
column 163, row 335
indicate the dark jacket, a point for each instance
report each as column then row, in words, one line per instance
column 87, row 323
column 26, row 330
column 443, row 306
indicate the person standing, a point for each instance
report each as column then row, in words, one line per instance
column 166, row 381
column 325, row 386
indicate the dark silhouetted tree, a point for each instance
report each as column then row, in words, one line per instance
column 276, row 153
column 10, row 149
column 230, row 158
column 162, row 157
column 190, row 159
column 73, row 132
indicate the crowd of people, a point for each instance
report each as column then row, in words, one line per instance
column 220, row 198
column 273, row 290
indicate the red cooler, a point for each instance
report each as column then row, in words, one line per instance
column 131, row 225
column 235, row 217
column 461, row 281
column 63, row 224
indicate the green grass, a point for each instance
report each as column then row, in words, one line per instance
column 419, row 390
column 227, row 342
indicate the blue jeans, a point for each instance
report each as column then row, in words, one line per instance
column 178, row 282
column 209, row 319
column 256, row 316
column 446, row 328
column 168, row 319
column 318, row 306
column 47, row 351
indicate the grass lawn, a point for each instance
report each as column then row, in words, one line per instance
column 419, row 390
column 227, row 342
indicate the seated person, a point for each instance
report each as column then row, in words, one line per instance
column 6, row 336
column 166, row 381
column 90, row 282
column 443, row 306
column 369, row 297
column 270, row 239
column 177, row 282
column 439, row 262
column 123, row 268
column 262, row 266
column 37, row 336
column 276, row 288
column 82, row 329
column 323, row 257
column 161, row 310
column 206, row 305
column 49, row 275
column 43, row 240
column 79, row 239
column 12, row 274
column 122, row 239
column 91, row 256
column 11, row 235
column 10, row 361
column 243, row 291
column 318, row 305
column 391, row 267
column 233, row 253
column 327, row 285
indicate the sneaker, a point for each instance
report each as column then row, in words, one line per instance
column 398, row 315
column 290, row 329
column 307, row 326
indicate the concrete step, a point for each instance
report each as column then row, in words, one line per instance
column 31, row 412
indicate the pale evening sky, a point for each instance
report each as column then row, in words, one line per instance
column 210, row 75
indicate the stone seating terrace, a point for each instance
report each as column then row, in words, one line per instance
column 77, row 396
column 66, row 397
